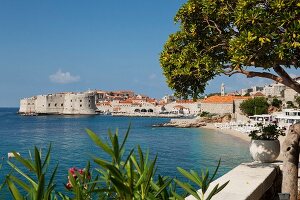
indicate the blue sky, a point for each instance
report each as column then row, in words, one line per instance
column 55, row 46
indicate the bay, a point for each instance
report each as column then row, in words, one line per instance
column 192, row 148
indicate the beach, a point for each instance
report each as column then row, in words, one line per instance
column 240, row 135
column 231, row 132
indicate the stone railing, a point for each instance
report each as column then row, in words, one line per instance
column 249, row 181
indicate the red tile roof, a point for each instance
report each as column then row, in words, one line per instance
column 222, row 99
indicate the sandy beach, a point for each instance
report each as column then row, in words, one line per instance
column 231, row 132
column 240, row 135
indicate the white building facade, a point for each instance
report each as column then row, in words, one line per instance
column 60, row 103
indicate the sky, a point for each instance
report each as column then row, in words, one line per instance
column 59, row 46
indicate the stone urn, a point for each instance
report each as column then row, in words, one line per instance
column 265, row 151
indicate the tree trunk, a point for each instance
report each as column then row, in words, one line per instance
column 290, row 150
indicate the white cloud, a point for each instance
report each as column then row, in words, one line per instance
column 63, row 77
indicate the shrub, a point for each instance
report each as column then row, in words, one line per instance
column 276, row 103
column 290, row 104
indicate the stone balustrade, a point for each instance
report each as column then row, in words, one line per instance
column 249, row 181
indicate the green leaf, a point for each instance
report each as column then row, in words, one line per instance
column 149, row 176
column 112, row 169
column 25, row 162
column 216, row 170
column 99, row 142
column 38, row 164
column 189, row 176
column 177, row 196
column 133, row 158
column 142, row 161
column 52, row 176
column 187, row 187
column 128, row 157
column 14, row 191
column 126, row 136
column 115, row 145
column 163, row 187
column 40, row 189
column 222, row 187
column 19, row 182
column 47, row 158
column 34, row 184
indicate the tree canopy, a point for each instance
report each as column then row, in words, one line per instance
column 257, row 38
column 255, row 106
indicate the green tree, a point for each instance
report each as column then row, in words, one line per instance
column 251, row 37
column 255, row 106
column 276, row 103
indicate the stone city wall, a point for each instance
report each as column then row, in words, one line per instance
column 217, row 108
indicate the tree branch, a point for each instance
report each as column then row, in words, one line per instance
column 215, row 25
column 287, row 79
column 282, row 77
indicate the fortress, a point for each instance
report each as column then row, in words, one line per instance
column 69, row 103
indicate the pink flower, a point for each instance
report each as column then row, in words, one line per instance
column 72, row 170
column 69, row 186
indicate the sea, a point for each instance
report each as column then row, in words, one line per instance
column 189, row 148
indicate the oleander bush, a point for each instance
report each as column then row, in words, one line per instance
column 127, row 175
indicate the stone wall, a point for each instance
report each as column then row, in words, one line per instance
column 27, row 105
column 79, row 103
column 41, row 104
column 238, row 114
column 217, row 108
column 55, row 103
column 290, row 94
column 60, row 103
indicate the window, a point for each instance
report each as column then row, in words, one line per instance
column 62, row 105
column 89, row 105
column 71, row 100
column 48, row 104
column 55, row 104
column 80, row 105
column 89, row 100
column 80, row 100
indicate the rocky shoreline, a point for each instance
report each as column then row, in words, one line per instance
column 194, row 123
column 181, row 124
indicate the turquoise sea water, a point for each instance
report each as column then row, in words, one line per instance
column 187, row 148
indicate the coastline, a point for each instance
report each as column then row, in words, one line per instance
column 240, row 135
column 231, row 132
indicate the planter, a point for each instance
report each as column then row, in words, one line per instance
column 265, row 151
